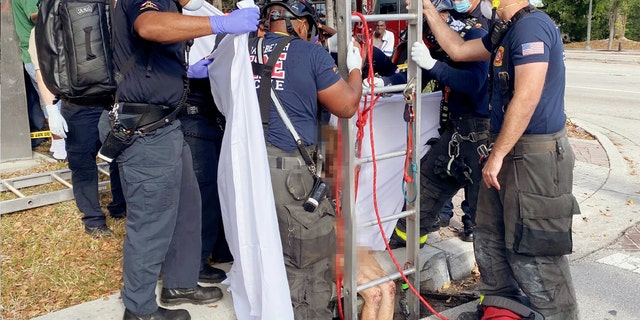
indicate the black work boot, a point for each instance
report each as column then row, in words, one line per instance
column 160, row 314
column 467, row 233
column 395, row 241
column 197, row 295
column 209, row 274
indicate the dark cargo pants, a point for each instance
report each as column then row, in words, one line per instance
column 436, row 187
column 82, row 145
column 523, row 230
column 163, row 217
column 308, row 238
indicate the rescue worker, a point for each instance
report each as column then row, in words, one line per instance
column 203, row 128
column 452, row 162
column 525, row 207
column 305, row 77
column 163, row 199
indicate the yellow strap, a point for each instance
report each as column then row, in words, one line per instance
column 40, row 134
column 403, row 66
column 403, row 236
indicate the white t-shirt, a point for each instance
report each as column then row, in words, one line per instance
column 386, row 43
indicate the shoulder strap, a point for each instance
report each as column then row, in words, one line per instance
column 268, row 95
column 265, row 74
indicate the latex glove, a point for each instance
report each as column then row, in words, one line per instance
column 377, row 82
column 57, row 124
column 354, row 59
column 200, row 69
column 238, row 21
column 421, row 55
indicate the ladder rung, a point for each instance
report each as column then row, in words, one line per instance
column 380, row 157
column 393, row 276
column 396, row 88
column 9, row 186
column 59, row 179
column 386, row 17
column 389, row 218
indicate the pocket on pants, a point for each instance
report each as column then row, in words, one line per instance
column 310, row 235
column 544, row 227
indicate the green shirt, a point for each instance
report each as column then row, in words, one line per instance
column 22, row 10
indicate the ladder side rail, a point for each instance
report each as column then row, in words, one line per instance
column 350, row 307
column 37, row 179
column 35, row 201
column 414, row 34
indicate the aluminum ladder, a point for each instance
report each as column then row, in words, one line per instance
column 344, row 21
column 25, row 202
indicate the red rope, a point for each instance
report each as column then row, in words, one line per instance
column 366, row 113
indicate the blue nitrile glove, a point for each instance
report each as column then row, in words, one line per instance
column 238, row 21
column 200, row 69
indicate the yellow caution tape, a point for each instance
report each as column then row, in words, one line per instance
column 40, row 134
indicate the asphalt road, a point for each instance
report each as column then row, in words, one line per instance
column 603, row 91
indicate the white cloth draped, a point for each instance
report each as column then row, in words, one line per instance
column 257, row 279
column 389, row 131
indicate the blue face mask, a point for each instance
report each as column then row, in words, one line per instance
column 462, row 6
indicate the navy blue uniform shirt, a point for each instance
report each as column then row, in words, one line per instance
column 468, row 82
column 532, row 38
column 158, row 73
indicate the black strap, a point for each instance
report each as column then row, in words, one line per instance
column 505, row 79
column 265, row 98
column 265, row 71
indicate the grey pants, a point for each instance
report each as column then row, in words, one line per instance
column 308, row 238
column 524, row 230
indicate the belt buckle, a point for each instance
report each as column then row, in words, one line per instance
column 191, row 109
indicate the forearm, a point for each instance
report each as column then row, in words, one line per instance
column 171, row 27
column 46, row 95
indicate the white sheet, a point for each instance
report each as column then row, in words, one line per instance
column 389, row 136
column 257, row 279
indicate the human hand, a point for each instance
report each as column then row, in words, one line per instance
column 421, row 55
column 57, row 124
column 377, row 82
column 491, row 170
column 238, row 21
column 354, row 59
column 200, row 69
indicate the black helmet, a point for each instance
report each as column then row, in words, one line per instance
column 296, row 9
column 442, row 5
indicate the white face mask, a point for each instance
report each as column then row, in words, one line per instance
column 485, row 7
column 193, row 5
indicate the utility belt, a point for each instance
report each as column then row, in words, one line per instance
column 530, row 143
column 210, row 112
column 285, row 163
column 279, row 159
column 144, row 115
column 539, row 143
column 470, row 128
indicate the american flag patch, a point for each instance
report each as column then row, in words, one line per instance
column 532, row 48
column 148, row 5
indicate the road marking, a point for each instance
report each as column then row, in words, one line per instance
column 603, row 89
column 622, row 261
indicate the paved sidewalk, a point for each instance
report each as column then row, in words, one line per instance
column 596, row 162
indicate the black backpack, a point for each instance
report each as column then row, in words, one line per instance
column 75, row 50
